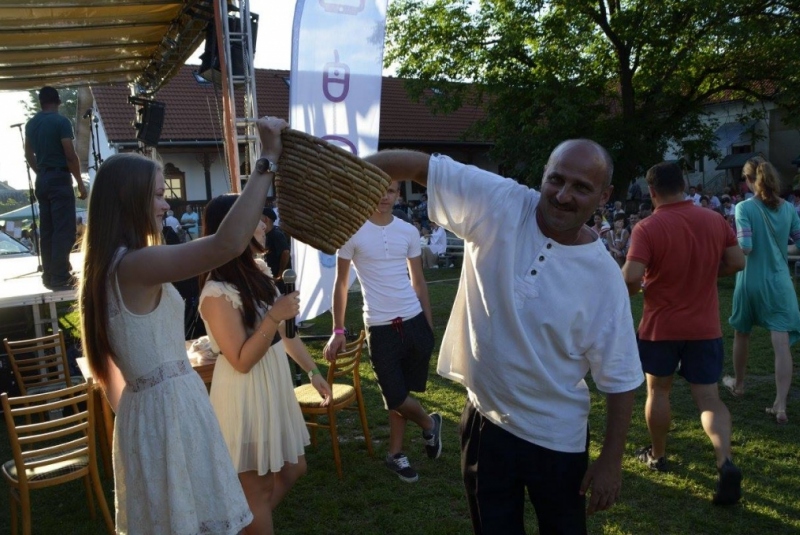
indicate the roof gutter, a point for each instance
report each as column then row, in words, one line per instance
column 134, row 144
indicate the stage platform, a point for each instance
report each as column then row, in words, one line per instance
column 21, row 286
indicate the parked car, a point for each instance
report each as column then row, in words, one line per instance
column 11, row 248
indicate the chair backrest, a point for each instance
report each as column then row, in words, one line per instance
column 347, row 361
column 53, row 441
column 39, row 364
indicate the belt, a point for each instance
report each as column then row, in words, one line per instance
column 48, row 169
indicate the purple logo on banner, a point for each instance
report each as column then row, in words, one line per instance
column 344, row 141
column 335, row 74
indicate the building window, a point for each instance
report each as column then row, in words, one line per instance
column 174, row 182
column 741, row 149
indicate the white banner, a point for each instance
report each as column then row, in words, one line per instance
column 335, row 94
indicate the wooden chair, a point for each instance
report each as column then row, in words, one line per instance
column 52, row 451
column 39, row 364
column 344, row 396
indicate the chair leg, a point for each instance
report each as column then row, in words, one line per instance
column 101, row 499
column 333, row 428
column 14, row 521
column 362, row 412
column 88, row 486
column 104, row 425
column 25, row 505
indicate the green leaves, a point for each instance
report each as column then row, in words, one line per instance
column 634, row 75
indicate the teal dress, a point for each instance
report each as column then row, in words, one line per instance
column 764, row 293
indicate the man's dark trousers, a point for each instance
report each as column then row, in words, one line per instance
column 56, row 224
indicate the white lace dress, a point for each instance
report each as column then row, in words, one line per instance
column 257, row 411
column 172, row 471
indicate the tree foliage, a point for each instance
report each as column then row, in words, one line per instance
column 634, row 75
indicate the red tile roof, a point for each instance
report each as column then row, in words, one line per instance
column 193, row 111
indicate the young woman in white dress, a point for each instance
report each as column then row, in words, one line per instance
column 252, row 391
column 172, row 471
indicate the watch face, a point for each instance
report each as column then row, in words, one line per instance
column 263, row 165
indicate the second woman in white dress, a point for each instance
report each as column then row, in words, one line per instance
column 252, row 391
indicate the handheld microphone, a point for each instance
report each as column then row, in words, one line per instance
column 17, row 125
column 289, row 278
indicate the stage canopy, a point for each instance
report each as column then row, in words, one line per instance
column 69, row 43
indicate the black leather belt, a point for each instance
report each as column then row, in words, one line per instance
column 48, row 169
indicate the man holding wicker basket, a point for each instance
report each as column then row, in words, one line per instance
column 526, row 328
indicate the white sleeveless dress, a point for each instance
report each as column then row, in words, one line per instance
column 172, row 471
column 257, row 411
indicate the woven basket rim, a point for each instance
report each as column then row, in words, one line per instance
column 324, row 192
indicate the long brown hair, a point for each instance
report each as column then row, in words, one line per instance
column 242, row 272
column 767, row 185
column 121, row 215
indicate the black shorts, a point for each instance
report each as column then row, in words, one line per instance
column 400, row 355
column 697, row 361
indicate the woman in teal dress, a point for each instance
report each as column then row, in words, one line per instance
column 764, row 293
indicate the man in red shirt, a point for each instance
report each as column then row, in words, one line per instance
column 679, row 252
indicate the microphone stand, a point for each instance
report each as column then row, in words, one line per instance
column 98, row 160
column 31, row 199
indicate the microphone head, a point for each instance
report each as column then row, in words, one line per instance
column 289, row 276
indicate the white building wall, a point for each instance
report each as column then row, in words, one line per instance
column 729, row 112
column 190, row 163
column 105, row 149
column 785, row 147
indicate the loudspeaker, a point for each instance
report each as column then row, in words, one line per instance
column 209, row 59
column 151, row 120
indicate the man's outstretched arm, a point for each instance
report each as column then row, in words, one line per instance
column 402, row 164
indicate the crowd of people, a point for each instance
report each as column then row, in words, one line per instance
column 523, row 333
column 614, row 225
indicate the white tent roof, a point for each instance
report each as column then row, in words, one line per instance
column 24, row 213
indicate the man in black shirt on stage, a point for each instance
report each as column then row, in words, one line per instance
column 51, row 155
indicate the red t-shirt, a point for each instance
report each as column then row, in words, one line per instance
column 681, row 246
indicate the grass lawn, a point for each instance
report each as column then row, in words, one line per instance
column 370, row 500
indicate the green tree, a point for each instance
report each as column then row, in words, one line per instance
column 69, row 103
column 633, row 75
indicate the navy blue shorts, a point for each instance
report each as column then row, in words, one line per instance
column 400, row 355
column 697, row 361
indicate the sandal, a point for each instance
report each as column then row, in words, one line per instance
column 780, row 416
column 730, row 383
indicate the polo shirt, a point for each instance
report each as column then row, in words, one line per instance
column 681, row 246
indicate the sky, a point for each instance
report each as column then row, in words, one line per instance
column 273, row 51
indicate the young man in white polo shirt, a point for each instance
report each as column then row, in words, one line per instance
column 397, row 314
column 540, row 303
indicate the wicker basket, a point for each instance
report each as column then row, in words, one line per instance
column 325, row 194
